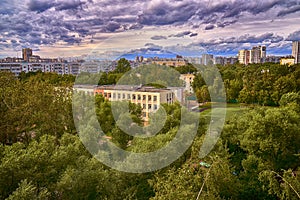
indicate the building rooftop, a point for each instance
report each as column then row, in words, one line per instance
column 132, row 88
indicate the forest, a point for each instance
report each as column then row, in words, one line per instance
column 256, row 157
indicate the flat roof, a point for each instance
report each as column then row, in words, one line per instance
column 132, row 88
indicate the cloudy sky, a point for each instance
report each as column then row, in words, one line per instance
column 63, row 28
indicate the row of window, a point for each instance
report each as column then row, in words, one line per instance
column 133, row 96
column 155, row 107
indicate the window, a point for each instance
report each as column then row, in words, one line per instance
column 155, row 106
column 144, row 106
column 119, row 96
column 123, row 96
column 149, row 97
column 139, row 97
column 144, row 97
column 133, row 96
column 128, row 96
column 154, row 98
column 149, row 106
column 114, row 95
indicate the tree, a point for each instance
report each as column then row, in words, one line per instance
column 27, row 191
column 203, row 94
column 122, row 66
column 290, row 97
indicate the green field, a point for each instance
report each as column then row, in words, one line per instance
column 231, row 110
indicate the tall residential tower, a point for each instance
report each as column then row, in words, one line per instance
column 296, row 51
column 26, row 54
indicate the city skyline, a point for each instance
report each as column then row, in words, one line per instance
column 114, row 28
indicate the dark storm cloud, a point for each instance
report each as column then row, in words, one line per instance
column 49, row 21
column 226, row 23
column 70, row 39
column 40, row 6
column 7, row 7
column 210, row 27
column 135, row 26
column 68, row 4
column 111, row 27
column 158, row 37
column 289, row 11
column 164, row 14
column 182, row 34
column 43, row 5
column 235, row 8
column 149, row 44
column 236, row 43
column 294, row 36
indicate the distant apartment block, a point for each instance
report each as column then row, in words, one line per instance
column 193, row 60
column 95, row 66
column 59, row 68
column 219, row 60
column 188, row 82
column 296, row 51
column 139, row 59
column 207, row 59
column 230, row 60
column 26, row 54
column 272, row 59
column 257, row 54
column 175, row 62
column 287, row 61
column 244, row 57
column 34, row 63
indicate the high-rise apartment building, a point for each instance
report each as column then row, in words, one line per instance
column 244, row 57
column 188, row 82
column 207, row 59
column 257, row 54
column 26, row 54
column 296, row 51
column 219, row 60
column 263, row 52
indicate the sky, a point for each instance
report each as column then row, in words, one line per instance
column 110, row 28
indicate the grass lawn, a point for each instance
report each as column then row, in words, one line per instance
column 231, row 109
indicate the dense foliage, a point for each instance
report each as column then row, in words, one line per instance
column 262, row 84
column 257, row 156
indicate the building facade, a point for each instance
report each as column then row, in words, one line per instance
column 296, row 51
column 26, row 54
column 257, row 54
column 59, row 68
column 244, row 57
column 188, row 82
column 219, row 60
column 287, row 61
column 176, row 62
column 193, row 60
column 149, row 98
column 207, row 59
